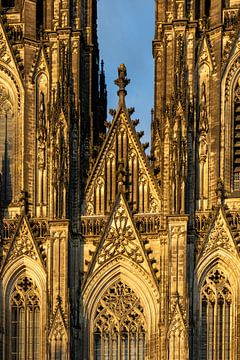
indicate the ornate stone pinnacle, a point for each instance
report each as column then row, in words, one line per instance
column 122, row 81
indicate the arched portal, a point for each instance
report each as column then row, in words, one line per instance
column 119, row 325
column 120, row 313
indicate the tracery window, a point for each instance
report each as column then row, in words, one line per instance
column 216, row 314
column 119, row 325
column 25, row 321
column 236, row 137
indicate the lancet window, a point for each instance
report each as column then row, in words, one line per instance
column 216, row 315
column 119, row 325
column 25, row 321
column 236, row 139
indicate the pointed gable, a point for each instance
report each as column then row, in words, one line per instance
column 205, row 54
column 23, row 244
column 40, row 64
column 219, row 236
column 122, row 159
column 177, row 320
column 120, row 238
column 58, row 327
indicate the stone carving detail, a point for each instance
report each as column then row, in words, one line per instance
column 219, row 238
column 119, row 309
column 178, row 233
column 4, row 55
column 231, row 73
column 216, row 287
column 207, row 53
column 58, row 330
column 23, row 244
column 25, row 291
column 178, row 319
column 229, row 40
column 180, row 11
column 120, row 238
column 231, row 18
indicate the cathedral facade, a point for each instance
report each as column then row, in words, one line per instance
column 105, row 252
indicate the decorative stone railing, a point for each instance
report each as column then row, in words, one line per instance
column 231, row 17
column 39, row 228
column 234, row 220
column 15, row 32
column 95, row 225
column 202, row 220
column 148, row 224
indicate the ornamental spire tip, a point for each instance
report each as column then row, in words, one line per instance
column 122, row 81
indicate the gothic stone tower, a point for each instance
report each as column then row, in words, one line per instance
column 49, row 102
column 195, row 155
column 139, row 259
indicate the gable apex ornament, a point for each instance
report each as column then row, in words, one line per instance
column 122, row 81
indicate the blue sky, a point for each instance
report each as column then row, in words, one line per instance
column 125, row 32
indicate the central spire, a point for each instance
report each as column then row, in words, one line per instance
column 122, row 81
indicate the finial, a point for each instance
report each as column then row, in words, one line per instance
column 122, row 82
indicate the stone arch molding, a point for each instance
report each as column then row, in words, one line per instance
column 136, row 278
column 13, row 271
column 226, row 262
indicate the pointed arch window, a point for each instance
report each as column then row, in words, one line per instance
column 119, row 325
column 25, row 321
column 216, row 315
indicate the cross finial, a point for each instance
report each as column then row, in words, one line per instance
column 122, row 81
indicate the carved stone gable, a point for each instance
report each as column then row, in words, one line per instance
column 205, row 55
column 178, row 319
column 58, row 326
column 120, row 239
column 219, row 237
column 23, row 244
column 122, row 161
column 40, row 64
